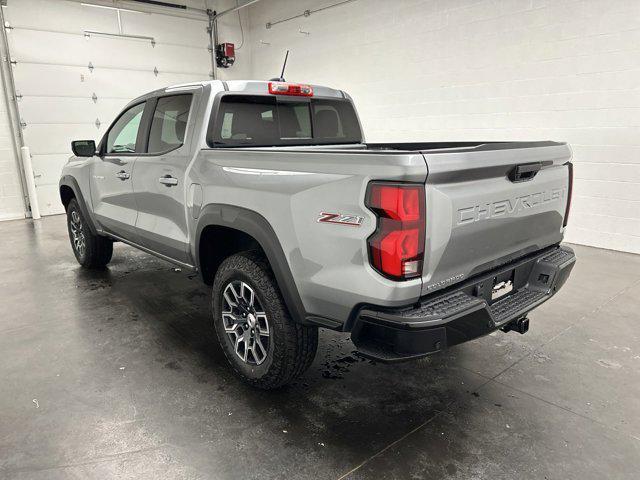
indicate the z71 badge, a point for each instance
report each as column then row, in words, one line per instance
column 340, row 219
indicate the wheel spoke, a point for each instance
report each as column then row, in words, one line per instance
column 262, row 324
column 252, row 349
column 236, row 297
column 230, row 322
column 247, row 290
column 228, row 299
column 258, row 342
column 246, row 351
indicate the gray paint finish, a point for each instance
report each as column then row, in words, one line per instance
column 476, row 216
column 130, row 383
column 291, row 186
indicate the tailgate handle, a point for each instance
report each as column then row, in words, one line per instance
column 524, row 172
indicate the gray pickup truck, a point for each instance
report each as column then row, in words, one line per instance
column 269, row 191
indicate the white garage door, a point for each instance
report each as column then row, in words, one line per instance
column 71, row 84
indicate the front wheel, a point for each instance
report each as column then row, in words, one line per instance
column 91, row 251
column 264, row 346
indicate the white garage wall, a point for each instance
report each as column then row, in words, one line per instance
column 485, row 70
column 230, row 31
column 56, row 85
column 11, row 202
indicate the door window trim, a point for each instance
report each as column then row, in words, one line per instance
column 103, row 142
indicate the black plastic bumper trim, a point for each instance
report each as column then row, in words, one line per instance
column 464, row 312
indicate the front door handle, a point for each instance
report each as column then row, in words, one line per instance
column 122, row 175
column 168, row 180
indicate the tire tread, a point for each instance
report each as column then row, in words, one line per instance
column 99, row 249
column 299, row 342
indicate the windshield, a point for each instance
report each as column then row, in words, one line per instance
column 260, row 120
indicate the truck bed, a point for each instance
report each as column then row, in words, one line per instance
column 477, row 216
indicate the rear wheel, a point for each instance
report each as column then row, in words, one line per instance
column 91, row 251
column 264, row 346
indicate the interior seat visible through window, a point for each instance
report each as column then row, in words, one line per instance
column 327, row 124
column 169, row 123
column 260, row 120
column 248, row 123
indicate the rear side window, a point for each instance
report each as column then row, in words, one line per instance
column 260, row 120
column 169, row 123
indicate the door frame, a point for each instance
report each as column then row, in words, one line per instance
column 155, row 157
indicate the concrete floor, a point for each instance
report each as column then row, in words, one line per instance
column 116, row 374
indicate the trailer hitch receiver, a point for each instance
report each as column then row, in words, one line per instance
column 521, row 325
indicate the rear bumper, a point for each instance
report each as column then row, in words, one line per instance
column 462, row 312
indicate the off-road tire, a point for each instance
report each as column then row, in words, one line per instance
column 98, row 250
column 292, row 346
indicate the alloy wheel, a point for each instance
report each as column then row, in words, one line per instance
column 77, row 233
column 245, row 322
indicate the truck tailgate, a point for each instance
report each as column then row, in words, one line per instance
column 480, row 214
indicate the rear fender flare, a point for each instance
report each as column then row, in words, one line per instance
column 254, row 224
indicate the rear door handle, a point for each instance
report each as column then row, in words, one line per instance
column 168, row 180
column 122, row 175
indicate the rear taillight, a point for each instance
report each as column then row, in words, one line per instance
column 396, row 248
column 569, row 195
column 296, row 89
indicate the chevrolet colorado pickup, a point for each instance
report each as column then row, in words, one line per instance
column 269, row 191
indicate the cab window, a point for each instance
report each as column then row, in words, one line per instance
column 261, row 120
column 122, row 138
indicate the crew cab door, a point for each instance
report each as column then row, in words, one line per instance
column 111, row 180
column 159, row 178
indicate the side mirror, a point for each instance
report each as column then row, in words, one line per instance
column 83, row 148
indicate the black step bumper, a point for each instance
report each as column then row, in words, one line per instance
column 462, row 312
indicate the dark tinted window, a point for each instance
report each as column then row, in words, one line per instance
column 335, row 120
column 169, row 123
column 124, row 133
column 264, row 121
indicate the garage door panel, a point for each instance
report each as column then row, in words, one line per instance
column 49, row 47
column 49, row 200
column 48, row 15
column 173, row 58
column 140, row 55
column 56, row 85
column 47, row 168
column 61, row 80
column 127, row 84
column 68, row 81
column 165, row 29
column 54, row 110
column 46, row 139
column 30, row 46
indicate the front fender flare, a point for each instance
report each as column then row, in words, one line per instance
column 72, row 183
column 254, row 224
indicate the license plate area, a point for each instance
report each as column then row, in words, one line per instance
column 501, row 289
column 502, row 285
